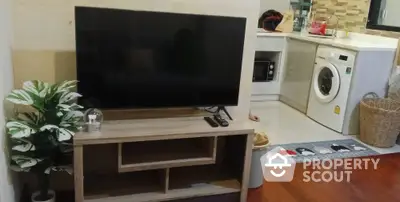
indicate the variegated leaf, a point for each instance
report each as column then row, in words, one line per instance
column 69, row 96
column 66, row 85
column 72, row 116
column 24, row 161
column 20, row 97
column 65, row 125
column 24, row 146
column 19, row 169
column 64, row 134
column 19, row 129
column 61, row 87
column 75, row 107
column 59, row 114
column 49, row 127
column 30, row 117
column 36, row 87
column 64, row 107
column 67, row 169
column 51, row 91
column 31, row 87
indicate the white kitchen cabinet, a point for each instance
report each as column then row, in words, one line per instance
column 270, row 44
column 272, row 49
column 294, row 55
column 297, row 75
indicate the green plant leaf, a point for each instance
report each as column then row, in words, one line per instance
column 25, row 161
column 66, row 85
column 49, row 127
column 16, row 168
column 20, row 97
column 19, row 129
column 23, row 146
column 71, row 120
column 60, row 114
column 65, row 125
column 32, row 118
column 64, row 107
column 64, row 134
column 67, row 169
column 72, row 117
column 69, row 96
column 62, row 87
column 36, row 87
column 67, row 107
column 75, row 107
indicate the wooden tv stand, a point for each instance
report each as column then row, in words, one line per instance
column 171, row 159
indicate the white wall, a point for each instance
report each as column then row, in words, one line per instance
column 278, row 5
column 44, row 29
column 7, row 193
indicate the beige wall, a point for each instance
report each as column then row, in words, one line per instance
column 44, row 42
column 279, row 5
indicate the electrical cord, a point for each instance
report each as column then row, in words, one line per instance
column 209, row 109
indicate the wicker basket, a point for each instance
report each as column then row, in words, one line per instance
column 379, row 121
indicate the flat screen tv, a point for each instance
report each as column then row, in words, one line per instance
column 135, row 59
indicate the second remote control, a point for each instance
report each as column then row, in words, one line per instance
column 222, row 122
column 211, row 122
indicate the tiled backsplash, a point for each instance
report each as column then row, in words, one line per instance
column 352, row 14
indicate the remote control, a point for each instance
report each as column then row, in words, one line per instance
column 211, row 122
column 222, row 122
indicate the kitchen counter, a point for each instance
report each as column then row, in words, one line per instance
column 277, row 47
column 355, row 41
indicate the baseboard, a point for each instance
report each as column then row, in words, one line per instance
column 259, row 98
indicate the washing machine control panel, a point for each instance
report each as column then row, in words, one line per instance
column 335, row 55
column 343, row 57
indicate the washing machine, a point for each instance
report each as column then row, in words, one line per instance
column 330, row 88
column 340, row 80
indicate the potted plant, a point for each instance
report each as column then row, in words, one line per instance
column 41, row 137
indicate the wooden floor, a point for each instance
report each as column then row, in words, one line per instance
column 381, row 185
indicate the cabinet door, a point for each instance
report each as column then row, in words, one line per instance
column 298, row 73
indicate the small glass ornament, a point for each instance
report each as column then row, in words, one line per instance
column 93, row 119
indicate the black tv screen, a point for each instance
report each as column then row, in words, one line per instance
column 137, row 59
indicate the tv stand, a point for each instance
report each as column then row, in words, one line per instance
column 167, row 159
column 222, row 108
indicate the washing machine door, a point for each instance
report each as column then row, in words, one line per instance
column 326, row 81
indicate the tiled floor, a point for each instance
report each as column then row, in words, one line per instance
column 285, row 125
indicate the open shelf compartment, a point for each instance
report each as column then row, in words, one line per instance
column 136, row 156
column 208, row 178
column 110, row 185
column 223, row 177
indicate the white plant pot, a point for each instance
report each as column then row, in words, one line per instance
column 50, row 192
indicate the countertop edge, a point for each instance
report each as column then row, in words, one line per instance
column 325, row 42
